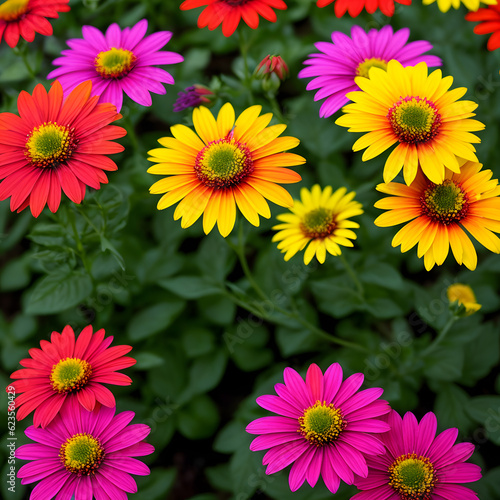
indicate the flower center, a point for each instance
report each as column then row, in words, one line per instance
column 235, row 3
column 367, row 64
column 114, row 63
column 11, row 10
column 318, row 223
column 414, row 120
column 223, row 163
column 48, row 145
column 81, row 454
column 413, row 477
column 445, row 203
column 321, row 424
column 70, row 374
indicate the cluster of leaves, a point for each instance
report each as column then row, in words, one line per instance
column 206, row 344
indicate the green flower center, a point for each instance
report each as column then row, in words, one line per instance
column 321, row 424
column 11, row 10
column 367, row 64
column 114, row 63
column 414, row 120
column 81, row 454
column 445, row 203
column 50, row 144
column 413, row 477
column 70, row 374
column 223, row 163
column 318, row 223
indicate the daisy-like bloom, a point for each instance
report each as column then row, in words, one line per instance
column 26, row 17
column 418, row 465
column 439, row 213
column 445, row 5
column 230, row 12
column 339, row 63
column 192, row 97
column 416, row 111
column 325, row 427
column 56, row 144
column 489, row 22
column 354, row 7
column 464, row 296
column 85, row 455
column 119, row 61
column 224, row 164
column 64, row 370
column 319, row 220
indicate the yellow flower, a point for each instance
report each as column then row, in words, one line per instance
column 223, row 165
column 320, row 219
column 439, row 213
column 444, row 5
column 416, row 111
column 464, row 295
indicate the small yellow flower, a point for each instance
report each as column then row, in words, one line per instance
column 464, row 295
column 320, row 219
column 444, row 5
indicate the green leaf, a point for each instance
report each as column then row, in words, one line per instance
column 334, row 300
column 383, row 308
column 231, row 438
column 57, row 292
column 197, row 341
column 215, row 258
column 147, row 360
column 486, row 411
column 445, row 363
column 199, row 418
column 217, row 309
column 190, row 287
column 23, row 327
column 450, row 407
column 157, row 484
column 247, row 471
column 154, row 319
column 15, row 275
column 382, row 274
column 157, row 264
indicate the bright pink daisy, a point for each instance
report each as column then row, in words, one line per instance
column 324, row 427
column 64, row 370
column 120, row 61
column 417, row 465
column 340, row 62
column 85, row 454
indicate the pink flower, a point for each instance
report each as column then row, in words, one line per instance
column 85, row 454
column 65, row 370
column 120, row 61
column 418, row 465
column 324, row 427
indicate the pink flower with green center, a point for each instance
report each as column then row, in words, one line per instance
column 85, row 454
column 324, row 426
column 116, row 62
column 418, row 465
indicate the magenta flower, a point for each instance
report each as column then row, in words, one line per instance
column 418, row 465
column 340, row 62
column 120, row 61
column 324, row 427
column 85, row 454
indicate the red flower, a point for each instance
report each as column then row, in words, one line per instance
column 27, row 17
column 64, row 370
column 230, row 12
column 489, row 18
column 56, row 143
column 272, row 64
column 354, row 7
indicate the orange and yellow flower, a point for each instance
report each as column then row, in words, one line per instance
column 416, row 111
column 464, row 296
column 226, row 163
column 319, row 220
column 440, row 212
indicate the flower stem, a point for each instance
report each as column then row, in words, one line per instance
column 442, row 334
column 247, row 77
column 79, row 245
column 353, row 275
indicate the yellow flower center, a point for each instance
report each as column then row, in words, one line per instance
column 70, row 374
column 321, row 424
column 445, row 203
column 367, row 64
column 81, row 454
column 50, row 144
column 318, row 223
column 413, row 477
column 114, row 63
column 414, row 120
column 11, row 10
column 223, row 163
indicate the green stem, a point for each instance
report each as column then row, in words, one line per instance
column 79, row 245
column 247, row 77
column 353, row 275
column 129, row 126
column 276, row 107
column 442, row 334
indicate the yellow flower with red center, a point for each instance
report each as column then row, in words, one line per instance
column 226, row 163
column 417, row 111
column 319, row 220
column 440, row 212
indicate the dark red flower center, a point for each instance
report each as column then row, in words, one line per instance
column 445, row 203
column 235, row 3
column 81, row 454
column 318, row 223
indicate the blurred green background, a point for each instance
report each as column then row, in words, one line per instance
column 181, row 299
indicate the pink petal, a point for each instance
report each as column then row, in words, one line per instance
column 268, row 425
column 332, row 481
column 426, row 433
column 278, row 405
column 331, row 382
column 296, row 385
column 298, row 471
column 460, row 473
column 348, row 388
column 314, row 382
column 269, row 440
